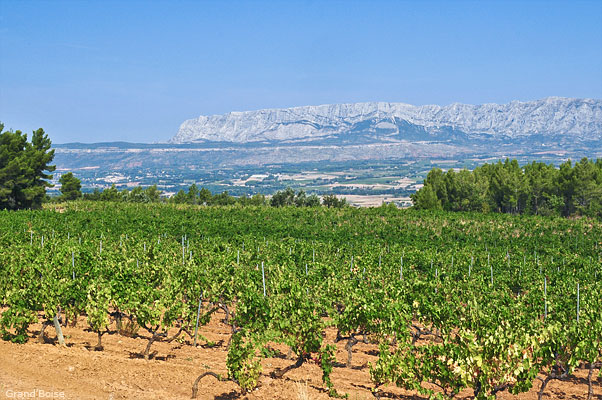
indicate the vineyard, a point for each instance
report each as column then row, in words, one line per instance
column 434, row 304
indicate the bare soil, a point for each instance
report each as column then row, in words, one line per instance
column 120, row 371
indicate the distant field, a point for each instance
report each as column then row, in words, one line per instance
column 218, row 167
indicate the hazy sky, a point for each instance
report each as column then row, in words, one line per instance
column 133, row 71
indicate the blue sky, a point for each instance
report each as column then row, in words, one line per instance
column 133, row 71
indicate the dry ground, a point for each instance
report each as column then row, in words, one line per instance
column 119, row 372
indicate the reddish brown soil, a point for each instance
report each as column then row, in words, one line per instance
column 119, row 372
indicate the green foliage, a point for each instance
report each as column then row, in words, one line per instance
column 332, row 201
column 95, row 195
column 505, row 187
column 112, row 194
column 455, row 301
column 97, row 305
column 223, row 199
column 138, row 194
column 256, row 200
column 23, row 167
column 426, row 199
column 288, row 197
column 204, row 197
column 244, row 367
column 70, row 187
column 283, row 198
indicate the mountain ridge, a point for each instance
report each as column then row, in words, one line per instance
column 551, row 116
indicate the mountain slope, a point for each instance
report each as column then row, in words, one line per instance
column 554, row 116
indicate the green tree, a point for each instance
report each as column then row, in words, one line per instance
column 540, row 178
column 255, row 200
column 566, row 187
column 94, row 196
column 283, row 198
column 193, row 194
column 71, row 187
column 426, row 199
column 300, row 198
column 588, row 188
column 223, row 199
column 436, row 178
column 23, row 167
column 180, row 198
column 258, row 200
column 330, row 200
column 205, row 197
column 507, row 187
column 153, row 194
column 111, row 194
column 137, row 195
column 312, row 201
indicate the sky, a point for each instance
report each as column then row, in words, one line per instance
column 98, row 71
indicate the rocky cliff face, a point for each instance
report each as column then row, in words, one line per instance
column 554, row 116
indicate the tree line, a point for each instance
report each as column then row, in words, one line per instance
column 203, row 196
column 536, row 188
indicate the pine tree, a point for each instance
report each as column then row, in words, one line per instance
column 23, row 169
column 70, row 187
